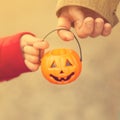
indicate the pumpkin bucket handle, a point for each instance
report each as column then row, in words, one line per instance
column 69, row 31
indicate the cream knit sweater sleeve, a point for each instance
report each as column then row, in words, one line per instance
column 106, row 8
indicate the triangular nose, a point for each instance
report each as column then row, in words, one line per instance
column 61, row 72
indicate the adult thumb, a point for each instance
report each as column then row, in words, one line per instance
column 64, row 22
column 70, row 17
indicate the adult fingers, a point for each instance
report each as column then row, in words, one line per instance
column 107, row 29
column 85, row 28
column 98, row 27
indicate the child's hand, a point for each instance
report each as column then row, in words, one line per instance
column 33, row 49
column 86, row 23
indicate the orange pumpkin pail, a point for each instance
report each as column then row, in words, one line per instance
column 61, row 66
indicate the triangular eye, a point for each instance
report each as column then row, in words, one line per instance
column 53, row 65
column 68, row 63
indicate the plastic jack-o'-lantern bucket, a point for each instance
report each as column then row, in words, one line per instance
column 62, row 65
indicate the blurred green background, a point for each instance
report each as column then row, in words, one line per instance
column 95, row 95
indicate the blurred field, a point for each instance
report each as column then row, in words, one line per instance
column 94, row 96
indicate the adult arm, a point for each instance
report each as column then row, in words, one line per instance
column 105, row 8
column 89, row 18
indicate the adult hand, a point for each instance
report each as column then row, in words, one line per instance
column 85, row 22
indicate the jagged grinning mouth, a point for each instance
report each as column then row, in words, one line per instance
column 64, row 79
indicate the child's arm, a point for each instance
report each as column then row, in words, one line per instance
column 19, row 54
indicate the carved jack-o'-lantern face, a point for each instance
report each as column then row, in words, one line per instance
column 61, row 66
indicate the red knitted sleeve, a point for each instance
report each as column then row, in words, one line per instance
column 11, row 58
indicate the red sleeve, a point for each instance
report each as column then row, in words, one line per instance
column 11, row 58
